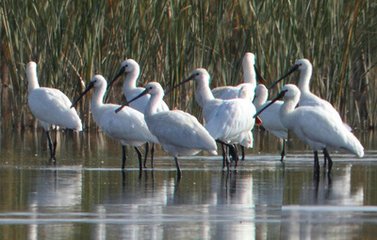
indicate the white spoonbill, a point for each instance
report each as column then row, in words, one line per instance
column 178, row 132
column 128, row 126
column 228, row 121
column 50, row 106
column 271, row 116
column 131, row 70
column 315, row 126
column 249, row 76
column 307, row 97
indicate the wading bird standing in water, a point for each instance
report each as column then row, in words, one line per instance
column 131, row 71
column 315, row 126
column 128, row 126
column 228, row 121
column 179, row 133
column 50, row 106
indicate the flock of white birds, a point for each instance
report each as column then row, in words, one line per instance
column 229, row 114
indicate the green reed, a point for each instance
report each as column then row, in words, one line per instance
column 73, row 40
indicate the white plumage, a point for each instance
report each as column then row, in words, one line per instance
column 178, row 132
column 128, row 126
column 316, row 127
column 50, row 106
column 131, row 71
column 229, row 121
column 271, row 116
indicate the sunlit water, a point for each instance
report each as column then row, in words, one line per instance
column 85, row 195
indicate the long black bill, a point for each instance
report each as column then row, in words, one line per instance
column 90, row 86
column 290, row 71
column 279, row 96
column 167, row 91
column 133, row 99
column 120, row 72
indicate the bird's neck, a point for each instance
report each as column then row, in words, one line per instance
column 204, row 92
column 304, row 80
column 249, row 75
column 287, row 109
column 260, row 100
column 97, row 101
column 32, row 80
column 130, row 80
column 153, row 104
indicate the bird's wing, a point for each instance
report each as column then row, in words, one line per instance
column 52, row 106
column 180, row 129
column 226, row 92
column 128, row 125
column 229, row 119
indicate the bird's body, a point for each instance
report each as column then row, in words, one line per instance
column 127, row 126
column 178, row 132
column 50, row 106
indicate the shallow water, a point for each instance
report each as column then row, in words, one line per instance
column 85, row 195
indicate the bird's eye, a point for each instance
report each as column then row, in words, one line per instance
column 197, row 74
column 126, row 66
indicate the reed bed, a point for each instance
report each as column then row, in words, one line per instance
column 71, row 40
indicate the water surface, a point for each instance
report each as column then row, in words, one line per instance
column 85, row 195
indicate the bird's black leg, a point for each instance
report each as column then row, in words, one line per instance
column 124, row 152
column 242, row 153
column 51, row 146
column 316, row 163
column 179, row 173
column 152, row 156
column 146, row 154
column 282, row 154
column 327, row 155
column 234, row 153
column 140, row 160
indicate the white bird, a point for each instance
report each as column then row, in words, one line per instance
column 315, row 126
column 249, row 76
column 228, row 121
column 131, row 70
column 128, row 126
column 229, row 92
column 50, row 106
column 178, row 132
column 271, row 116
column 307, row 97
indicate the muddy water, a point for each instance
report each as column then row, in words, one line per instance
column 85, row 195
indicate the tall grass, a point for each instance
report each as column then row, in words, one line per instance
column 72, row 40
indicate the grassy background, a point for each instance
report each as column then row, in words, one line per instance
column 72, row 40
